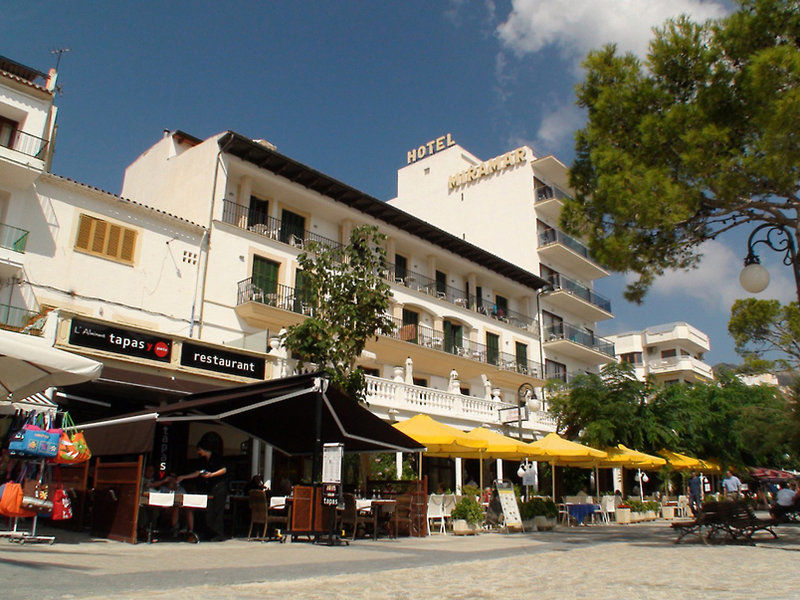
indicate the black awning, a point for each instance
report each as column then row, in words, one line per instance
column 281, row 412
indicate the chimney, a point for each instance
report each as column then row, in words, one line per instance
column 52, row 76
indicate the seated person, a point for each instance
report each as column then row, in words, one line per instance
column 785, row 501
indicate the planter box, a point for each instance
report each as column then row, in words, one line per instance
column 622, row 515
column 461, row 527
column 637, row 517
column 668, row 512
column 650, row 515
column 542, row 523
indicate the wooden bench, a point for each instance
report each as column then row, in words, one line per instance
column 733, row 519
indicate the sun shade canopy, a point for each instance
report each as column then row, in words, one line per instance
column 622, row 456
column 30, row 364
column 558, row 451
column 281, row 412
column 438, row 438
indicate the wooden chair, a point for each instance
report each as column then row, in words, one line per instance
column 402, row 518
column 258, row 513
column 352, row 517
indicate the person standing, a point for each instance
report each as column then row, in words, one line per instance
column 731, row 485
column 214, row 474
column 695, row 493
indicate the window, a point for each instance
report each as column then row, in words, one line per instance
column 265, row 275
column 400, row 266
column 668, row 353
column 492, row 348
column 8, row 132
column 420, row 381
column 441, row 282
column 370, row 371
column 105, row 239
column 258, row 212
column 408, row 332
column 555, row 370
column 634, row 358
column 522, row 357
column 453, row 337
column 303, row 296
column 478, row 297
column 293, row 227
column 553, row 325
column 550, row 275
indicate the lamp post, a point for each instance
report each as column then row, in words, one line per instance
column 754, row 277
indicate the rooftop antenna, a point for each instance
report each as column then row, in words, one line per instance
column 60, row 52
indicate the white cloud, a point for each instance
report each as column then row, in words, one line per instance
column 557, row 127
column 576, row 26
column 715, row 283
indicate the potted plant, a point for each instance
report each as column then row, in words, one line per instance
column 467, row 515
column 651, row 509
column 637, row 510
column 622, row 513
column 539, row 513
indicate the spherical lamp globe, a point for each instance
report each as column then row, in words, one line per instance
column 754, row 278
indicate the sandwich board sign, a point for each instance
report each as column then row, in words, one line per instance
column 508, row 502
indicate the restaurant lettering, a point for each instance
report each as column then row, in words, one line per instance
column 119, row 341
column 499, row 163
column 432, row 147
column 222, row 361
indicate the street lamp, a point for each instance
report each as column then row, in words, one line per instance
column 754, row 277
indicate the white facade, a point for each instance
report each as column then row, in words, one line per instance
column 512, row 204
column 670, row 353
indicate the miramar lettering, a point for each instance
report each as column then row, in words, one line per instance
column 432, row 147
column 498, row 163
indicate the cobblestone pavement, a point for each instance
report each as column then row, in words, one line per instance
column 636, row 561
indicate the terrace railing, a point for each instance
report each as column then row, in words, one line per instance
column 578, row 335
column 27, row 144
column 13, row 238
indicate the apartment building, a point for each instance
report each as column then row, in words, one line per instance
column 670, row 353
column 512, row 204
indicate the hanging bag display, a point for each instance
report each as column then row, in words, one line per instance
column 62, row 505
column 72, row 446
column 11, row 501
column 33, row 440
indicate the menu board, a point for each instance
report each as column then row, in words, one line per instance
column 508, row 502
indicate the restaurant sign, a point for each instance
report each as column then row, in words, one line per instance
column 222, row 361
column 119, row 341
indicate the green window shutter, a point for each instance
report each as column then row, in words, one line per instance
column 522, row 357
column 409, row 330
column 292, row 224
column 265, row 275
column 492, row 348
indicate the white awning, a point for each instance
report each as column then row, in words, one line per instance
column 35, row 402
column 29, row 364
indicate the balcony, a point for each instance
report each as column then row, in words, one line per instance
column 22, row 157
column 426, row 285
column 16, row 318
column 270, row 227
column 677, row 334
column 556, row 246
column 12, row 246
column 684, row 368
column 428, row 337
column 550, row 201
column 267, row 305
column 580, row 300
column 578, row 343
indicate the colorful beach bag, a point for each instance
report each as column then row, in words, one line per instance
column 62, row 505
column 34, row 440
column 11, row 501
column 72, row 446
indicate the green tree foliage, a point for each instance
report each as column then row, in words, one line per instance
column 700, row 139
column 610, row 408
column 727, row 420
column 351, row 301
column 762, row 328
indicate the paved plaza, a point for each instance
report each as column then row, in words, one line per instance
column 636, row 561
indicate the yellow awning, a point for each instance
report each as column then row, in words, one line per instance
column 682, row 462
column 438, row 438
column 498, row 445
column 558, row 451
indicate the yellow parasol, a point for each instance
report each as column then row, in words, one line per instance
column 558, row 451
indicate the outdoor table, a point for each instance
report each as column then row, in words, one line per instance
column 380, row 508
column 157, row 500
column 579, row 512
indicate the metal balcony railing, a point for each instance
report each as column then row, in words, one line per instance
column 27, row 144
column 426, row 336
column 275, row 294
column 561, row 282
column 13, row 238
column 578, row 335
column 549, row 192
column 552, row 236
column 261, row 223
column 15, row 317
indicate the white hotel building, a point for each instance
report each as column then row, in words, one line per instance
column 199, row 255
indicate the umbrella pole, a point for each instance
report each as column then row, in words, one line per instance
column 641, row 486
column 420, row 466
column 553, row 472
column 597, row 481
column 480, row 469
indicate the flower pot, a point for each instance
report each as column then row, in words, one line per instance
column 461, row 527
column 622, row 515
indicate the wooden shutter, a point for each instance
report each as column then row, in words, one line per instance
column 128, row 245
column 102, row 238
column 84, row 232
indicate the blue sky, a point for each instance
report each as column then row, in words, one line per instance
column 349, row 87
